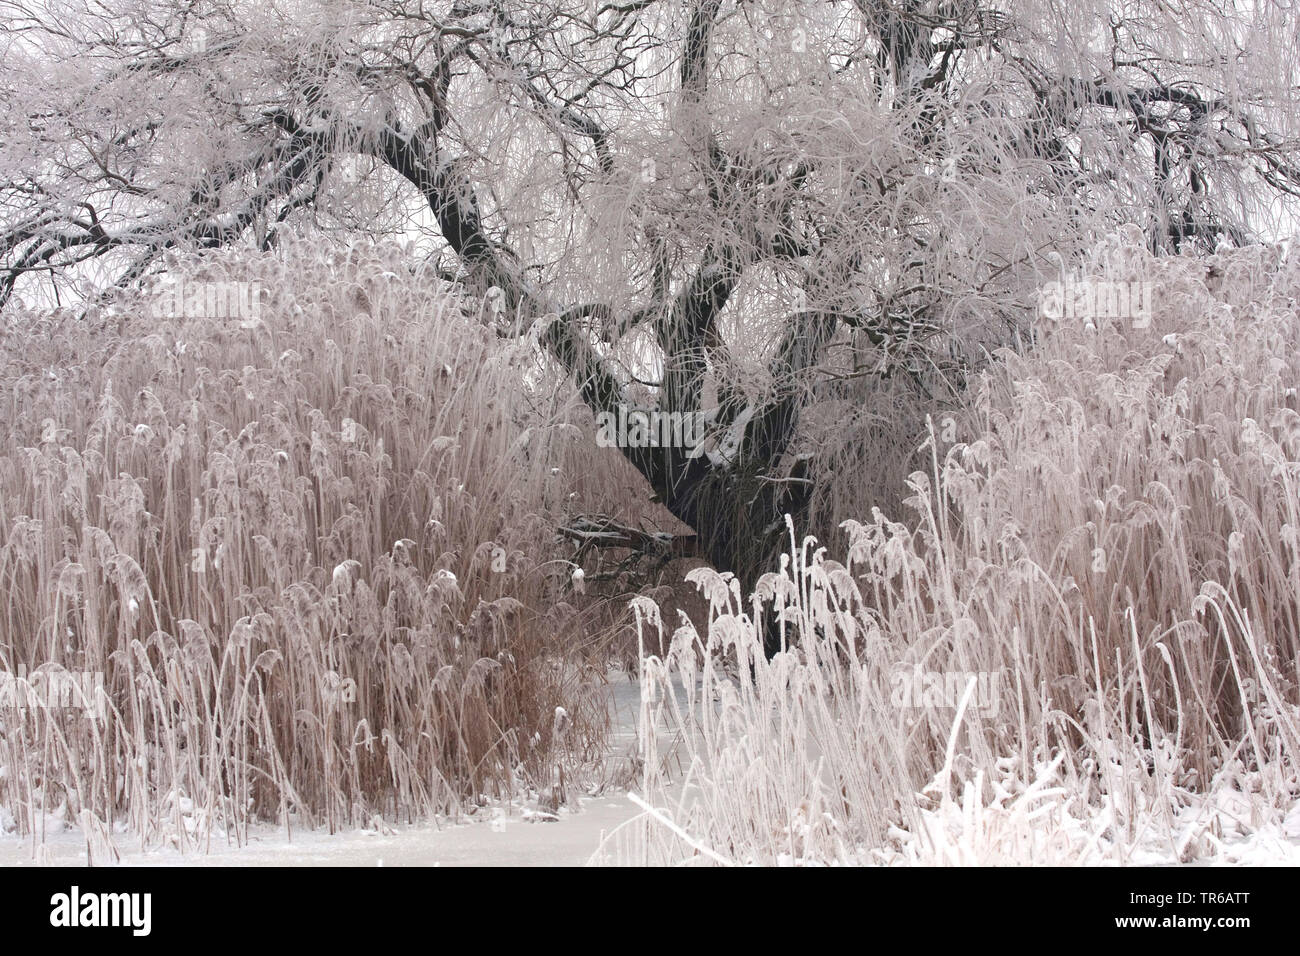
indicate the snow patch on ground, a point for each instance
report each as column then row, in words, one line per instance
column 518, row 835
column 499, row 839
column 1042, row 823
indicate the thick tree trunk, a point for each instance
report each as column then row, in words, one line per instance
column 738, row 516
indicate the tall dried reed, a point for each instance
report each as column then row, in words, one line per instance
column 311, row 552
column 1114, row 542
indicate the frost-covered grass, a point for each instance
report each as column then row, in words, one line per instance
column 1115, row 537
column 315, row 560
column 313, row 557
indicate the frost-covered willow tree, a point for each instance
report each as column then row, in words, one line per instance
column 723, row 208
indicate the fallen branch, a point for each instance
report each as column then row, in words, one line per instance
column 602, row 531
